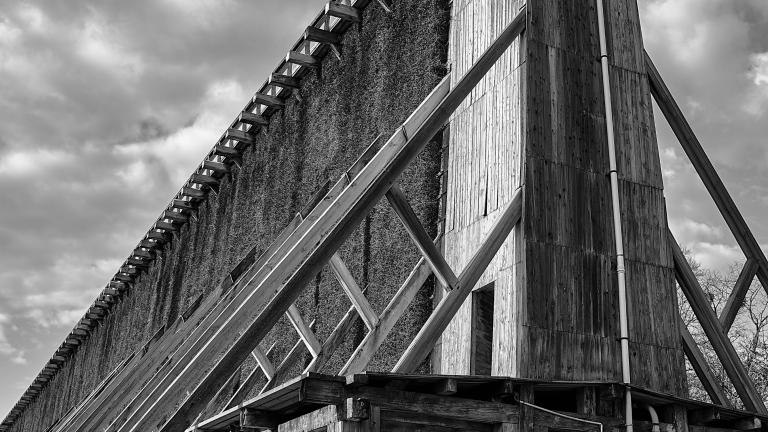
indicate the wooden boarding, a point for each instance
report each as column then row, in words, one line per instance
column 325, row 231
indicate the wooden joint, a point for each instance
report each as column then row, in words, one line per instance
column 268, row 101
column 167, row 226
column 142, row 253
column 302, row 59
column 159, row 236
column 356, row 409
column 314, row 34
column 343, row 12
column 249, row 118
column 149, row 244
column 284, row 81
column 136, row 262
column 747, row 424
column 129, row 270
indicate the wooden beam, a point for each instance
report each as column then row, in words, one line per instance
column 284, row 81
column 702, row 369
column 305, row 333
column 268, row 101
column 124, row 278
column 245, row 386
column 160, row 237
column 141, row 253
column 205, row 180
column 193, row 193
column 703, row 416
column 430, row 332
column 711, row 326
column 175, row 216
column 136, row 262
column 302, row 59
column 294, row 354
column 183, row 391
column 249, row 118
column 230, row 152
column 736, row 299
column 314, row 34
column 334, row 340
column 706, row 171
column 266, row 366
column 149, row 244
column 342, row 11
column 353, row 291
column 386, row 5
column 239, row 136
column 184, row 205
column 370, row 344
column 168, row 226
column 258, row 419
column 421, row 239
column 217, row 167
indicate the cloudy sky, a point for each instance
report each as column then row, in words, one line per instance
column 106, row 107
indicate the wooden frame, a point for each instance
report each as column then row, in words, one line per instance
column 714, row 327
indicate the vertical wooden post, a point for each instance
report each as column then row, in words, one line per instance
column 586, row 401
column 527, row 413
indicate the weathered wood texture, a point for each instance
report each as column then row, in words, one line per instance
column 484, row 153
column 343, row 109
column 556, row 295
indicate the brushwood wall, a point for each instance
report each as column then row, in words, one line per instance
column 390, row 62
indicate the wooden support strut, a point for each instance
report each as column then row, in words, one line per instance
column 702, row 369
column 437, row 322
column 706, row 171
column 302, row 59
column 736, row 299
column 711, row 326
column 284, row 81
column 183, row 389
column 342, row 11
column 268, row 101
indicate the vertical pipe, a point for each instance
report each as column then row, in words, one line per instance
column 620, row 266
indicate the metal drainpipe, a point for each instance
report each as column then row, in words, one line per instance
column 620, row 267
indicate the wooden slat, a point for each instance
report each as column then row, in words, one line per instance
column 192, row 192
column 353, row 291
column 314, row 34
column 239, row 136
column 203, row 179
column 175, row 216
column 423, row 242
column 247, row 117
column 364, row 352
column 711, row 326
column 736, row 299
column 268, row 101
column 334, row 340
column 305, row 333
column 702, row 369
column 266, row 366
column 706, row 171
column 225, row 151
column 284, row 81
column 425, row 340
column 342, row 11
column 302, row 59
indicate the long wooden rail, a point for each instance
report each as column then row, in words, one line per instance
column 715, row 328
column 189, row 365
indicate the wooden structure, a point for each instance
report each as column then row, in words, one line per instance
column 525, row 327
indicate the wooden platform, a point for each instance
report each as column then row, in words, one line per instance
column 395, row 402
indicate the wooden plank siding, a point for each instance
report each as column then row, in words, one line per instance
column 538, row 120
column 485, row 143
